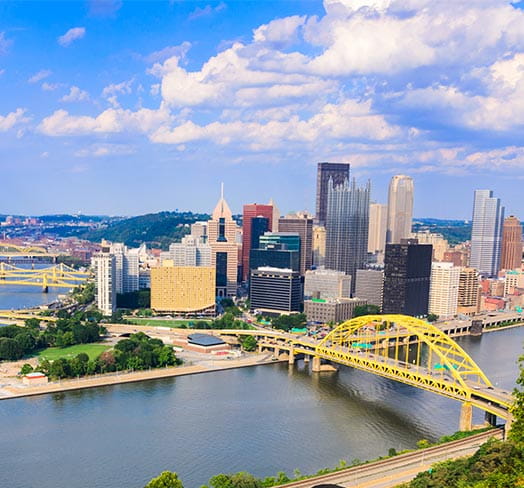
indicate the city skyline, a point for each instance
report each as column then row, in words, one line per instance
column 225, row 91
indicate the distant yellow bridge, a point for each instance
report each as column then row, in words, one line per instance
column 400, row 348
column 9, row 251
column 23, row 315
column 58, row 276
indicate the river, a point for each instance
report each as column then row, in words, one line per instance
column 262, row 419
column 19, row 296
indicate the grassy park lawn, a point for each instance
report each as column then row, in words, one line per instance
column 92, row 350
column 165, row 322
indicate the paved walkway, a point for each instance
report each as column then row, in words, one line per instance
column 17, row 391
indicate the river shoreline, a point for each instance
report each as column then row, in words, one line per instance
column 11, row 391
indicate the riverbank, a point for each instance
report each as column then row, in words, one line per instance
column 16, row 390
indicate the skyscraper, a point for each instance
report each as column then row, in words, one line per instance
column 319, row 245
column 378, row 217
column 407, row 272
column 400, row 209
column 511, row 257
column 486, row 233
column 338, row 173
column 444, row 288
column 347, row 223
column 104, row 264
column 250, row 212
column 222, row 231
column 301, row 224
column 468, row 292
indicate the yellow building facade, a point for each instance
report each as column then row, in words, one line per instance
column 183, row 289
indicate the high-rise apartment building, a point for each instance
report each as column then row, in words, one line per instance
column 105, row 285
column 327, row 284
column 469, row 291
column 444, row 289
column 511, row 256
column 275, row 290
column 222, row 232
column 191, row 251
column 302, row 225
column 378, row 217
column 486, row 233
column 440, row 245
column 183, row 289
column 199, row 231
column 400, row 209
column 407, row 272
column 250, row 212
column 127, row 263
column 370, row 286
column 338, row 173
column 319, row 245
column 347, row 224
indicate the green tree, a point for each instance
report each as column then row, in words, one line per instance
column 431, row 317
column 166, row 480
column 248, row 343
column 237, row 480
column 26, row 369
column 32, row 323
column 367, row 309
column 516, row 433
column 10, row 349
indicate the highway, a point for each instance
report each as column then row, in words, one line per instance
column 391, row 472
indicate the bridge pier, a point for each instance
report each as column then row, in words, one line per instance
column 466, row 417
column 306, row 358
column 490, row 418
column 315, row 366
column 291, row 359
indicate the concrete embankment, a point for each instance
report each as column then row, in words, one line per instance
column 11, row 391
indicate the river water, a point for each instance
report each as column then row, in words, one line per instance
column 15, row 296
column 261, row 419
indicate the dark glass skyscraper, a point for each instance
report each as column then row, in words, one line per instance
column 347, row 222
column 338, row 173
column 407, row 272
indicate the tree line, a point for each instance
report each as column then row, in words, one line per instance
column 138, row 352
column 81, row 328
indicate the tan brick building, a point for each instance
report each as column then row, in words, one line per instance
column 183, row 289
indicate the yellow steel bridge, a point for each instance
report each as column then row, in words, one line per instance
column 13, row 251
column 401, row 348
column 59, row 276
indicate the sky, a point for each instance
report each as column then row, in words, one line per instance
column 129, row 107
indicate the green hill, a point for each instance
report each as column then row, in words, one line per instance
column 156, row 230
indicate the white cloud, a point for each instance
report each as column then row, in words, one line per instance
column 5, row 44
column 13, row 118
column 206, row 11
column 51, row 86
column 101, row 150
column 40, row 75
column 71, row 35
column 160, row 56
column 279, row 32
column 345, row 121
column 112, row 120
column 112, row 91
column 75, row 95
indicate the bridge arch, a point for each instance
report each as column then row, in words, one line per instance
column 443, row 351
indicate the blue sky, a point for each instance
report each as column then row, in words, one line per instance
column 127, row 107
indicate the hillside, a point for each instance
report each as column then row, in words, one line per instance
column 156, row 230
column 455, row 231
